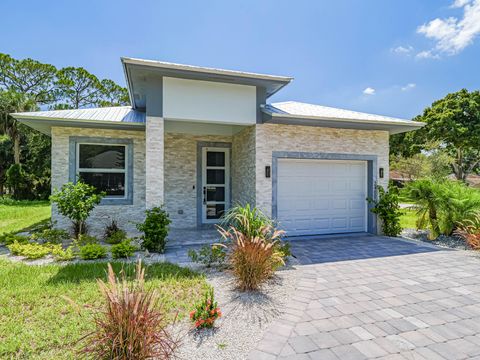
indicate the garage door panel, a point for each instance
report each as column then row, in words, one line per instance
column 321, row 196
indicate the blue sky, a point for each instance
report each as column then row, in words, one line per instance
column 387, row 57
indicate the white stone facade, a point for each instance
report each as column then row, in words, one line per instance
column 167, row 171
column 275, row 137
column 126, row 215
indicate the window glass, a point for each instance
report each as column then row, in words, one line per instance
column 112, row 183
column 215, row 176
column 101, row 156
column 215, row 211
column 215, row 158
column 215, row 193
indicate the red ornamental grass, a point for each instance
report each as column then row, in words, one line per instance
column 131, row 326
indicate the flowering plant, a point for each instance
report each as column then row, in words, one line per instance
column 206, row 312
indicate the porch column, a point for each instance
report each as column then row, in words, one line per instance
column 154, row 161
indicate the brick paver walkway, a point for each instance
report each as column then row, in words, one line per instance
column 373, row 297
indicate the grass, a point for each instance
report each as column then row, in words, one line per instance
column 409, row 219
column 16, row 216
column 37, row 323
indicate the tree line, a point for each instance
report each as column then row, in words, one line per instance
column 30, row 85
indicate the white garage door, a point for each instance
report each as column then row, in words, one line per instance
column 321, row 196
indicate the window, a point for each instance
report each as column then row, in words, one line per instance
column 103, row 166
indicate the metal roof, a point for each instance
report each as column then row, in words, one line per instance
column 311, row 114
column 202, row 69
column 295, row 108
column 123, row 114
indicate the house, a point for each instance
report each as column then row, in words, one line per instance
column 200, row 139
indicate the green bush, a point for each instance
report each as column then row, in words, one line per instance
column 30, row 251
column 85, row 239
column 206, row 311
column 20, row 182
column 155, row 229
column 209, row 255
column 76, row 202
column 93, row 251
column 52, row 236
column 123, row 250
column 7, row 239
column 250, row 221
column 116, row 237
column 110, row 229
column 388, row 210
column 442, row 204
column 63, row 255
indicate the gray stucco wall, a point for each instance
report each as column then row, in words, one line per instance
column 126, row 215
column 291, row 138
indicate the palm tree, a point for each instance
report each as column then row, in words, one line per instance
column 11, row 102
column 428, row 198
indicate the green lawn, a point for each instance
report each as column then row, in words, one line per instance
column 37, row 323
column 18, row 215
column 409, row 219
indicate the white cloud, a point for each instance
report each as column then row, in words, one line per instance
column 409, row 86
column 369, row 91
column 427, row 54
column 402, row 50
column 452, row 35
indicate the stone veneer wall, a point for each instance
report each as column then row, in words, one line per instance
column 126, row 215
column 276, row 137
column 243, row 167
column 181, row 176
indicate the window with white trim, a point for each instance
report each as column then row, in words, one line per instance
column 103, row 166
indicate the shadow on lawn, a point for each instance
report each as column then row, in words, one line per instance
column 90, row 272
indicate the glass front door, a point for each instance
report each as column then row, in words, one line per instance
column 215, row 183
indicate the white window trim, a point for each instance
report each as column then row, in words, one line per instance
column 78, row 170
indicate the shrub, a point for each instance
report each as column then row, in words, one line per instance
column 116, row 237
column 442, row 204
column 209, row 255
column 132, row 324
column 9, row 238
column 20, row 182
column 52, row 236
column 92, row 251
column 388, row 210
column 63, row 255
column 76, row 202
column 110, row 229
column 249, row 221
column 84, row 239
column 253, row 259
column 155, row 229
column 206, row 312
column 123, row 250
column 30, row 251
column 469, row 230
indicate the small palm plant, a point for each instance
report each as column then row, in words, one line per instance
column 428, row 195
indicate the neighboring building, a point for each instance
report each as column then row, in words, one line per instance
column 199, row 140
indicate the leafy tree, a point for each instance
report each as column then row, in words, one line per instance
column 28, row 76
column 6, row 160
column 454, row 123
column 434, row 163
column 113, row 94
column 78, row 88
column 12, row 101
column 76, row 202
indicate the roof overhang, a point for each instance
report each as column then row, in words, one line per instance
column 392, row 126
column 138, row 70
column 45, row 124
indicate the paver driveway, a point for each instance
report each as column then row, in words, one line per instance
column 376, row 297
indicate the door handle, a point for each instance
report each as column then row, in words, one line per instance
column 204, row 194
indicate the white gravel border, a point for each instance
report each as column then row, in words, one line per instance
column 245, row 317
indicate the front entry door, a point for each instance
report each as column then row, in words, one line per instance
column 215, row 183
